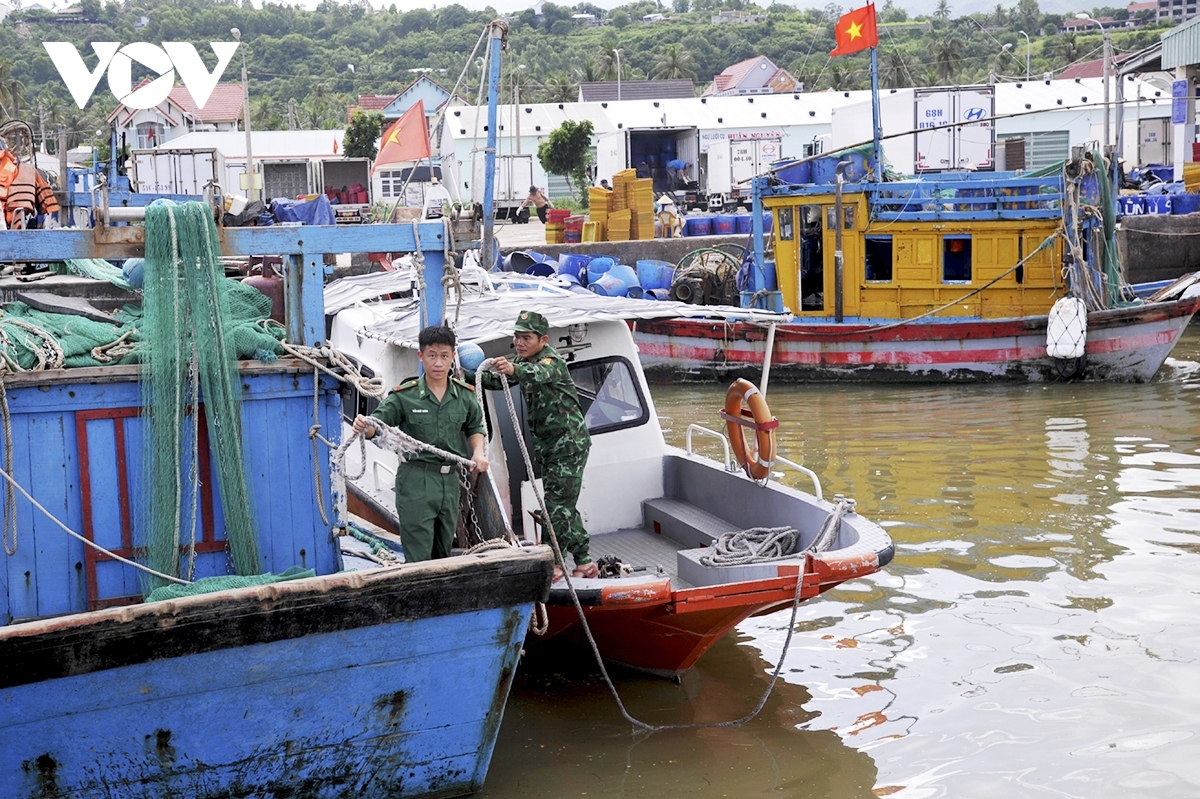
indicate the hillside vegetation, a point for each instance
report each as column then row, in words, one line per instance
column 306, row 66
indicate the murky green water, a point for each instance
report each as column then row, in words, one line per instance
column 1036, row 635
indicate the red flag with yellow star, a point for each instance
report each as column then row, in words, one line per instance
column 407, row 139
column 856, row 31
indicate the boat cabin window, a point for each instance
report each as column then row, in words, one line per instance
column 787, row 229
column 878, row 258
column 354, row 403
column 609, row 394
column 956, row 259
column 812, row 260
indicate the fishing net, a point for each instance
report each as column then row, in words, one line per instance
column 187, row 351
column 210, row 585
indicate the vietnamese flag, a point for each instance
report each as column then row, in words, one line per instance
column 856, row 31
column 407, row 139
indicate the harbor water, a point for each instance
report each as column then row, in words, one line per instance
column 1036, row 635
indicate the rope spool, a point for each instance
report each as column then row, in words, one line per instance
column 745, row 407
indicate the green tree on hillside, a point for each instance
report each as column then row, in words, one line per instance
column 673, row 62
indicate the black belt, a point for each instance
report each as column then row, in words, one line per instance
column 439, row 467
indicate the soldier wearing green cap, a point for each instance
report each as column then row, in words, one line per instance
column 560, row 436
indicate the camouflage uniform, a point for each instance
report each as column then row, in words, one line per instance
column 427, row 487
column 560, row 436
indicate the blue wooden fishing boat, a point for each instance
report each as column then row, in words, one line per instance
column 386, row 682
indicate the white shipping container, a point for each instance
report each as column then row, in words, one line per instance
column 955, row 128
column 514, row 176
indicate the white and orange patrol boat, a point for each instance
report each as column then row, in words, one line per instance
column 657, row 514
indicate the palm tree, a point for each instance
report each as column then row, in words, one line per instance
column 11, row 90
column 674, row 62
column 941, row 14
column 1000, row 14
column 607, row 59
column 947, row 57
column 588, row 71
column 1067, row 48
column 558, row 88
column 894, row 71
column 842, row 77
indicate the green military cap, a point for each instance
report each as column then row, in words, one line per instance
column 531, row 322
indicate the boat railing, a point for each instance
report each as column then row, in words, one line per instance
column 704, row 431
column 948, row 197
column 375, row 467
column 817, row 492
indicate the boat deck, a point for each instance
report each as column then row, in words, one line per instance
column 641, row 548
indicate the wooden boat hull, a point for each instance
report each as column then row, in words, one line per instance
column 387, row 683
column 1123, row 345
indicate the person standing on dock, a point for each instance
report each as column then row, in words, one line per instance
column 560, row 436
column 441, row 411
column 538, row 199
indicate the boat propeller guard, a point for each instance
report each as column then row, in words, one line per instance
column 745, row 407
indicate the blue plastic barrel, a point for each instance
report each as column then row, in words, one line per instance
column 657, row 294
column 699, row 226
column 766, row 222
column 1131, row 205
column 745, row 223
column 616, row 282
column 655, row 274
column 824, row 170
column 1158, row 204
column 570, row 263
column 724, row 225
column 540, row 270
column 1185, row 203
column 597, row 267
column 568, row 278
column 796, row 173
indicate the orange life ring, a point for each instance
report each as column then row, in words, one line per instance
column 745, row 407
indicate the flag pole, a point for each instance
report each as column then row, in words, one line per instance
column 877, row 155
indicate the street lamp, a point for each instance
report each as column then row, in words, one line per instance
column 1028, row 47
column 252, row 188
column 999, row 56
column 517, row 103
column 617, row 53
column 1107, row 64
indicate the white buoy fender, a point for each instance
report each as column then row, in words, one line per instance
column 1066, row 330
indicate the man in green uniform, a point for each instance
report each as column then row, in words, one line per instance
column 560, row 436
column 440, row 411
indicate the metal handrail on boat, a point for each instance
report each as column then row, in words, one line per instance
column 711, row 434
column 376, row 466
column 803, row 470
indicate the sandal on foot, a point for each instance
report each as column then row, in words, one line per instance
column 558, row 573
column 587, row 571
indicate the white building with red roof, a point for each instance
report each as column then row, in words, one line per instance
column 177, row 115
column 758, row 75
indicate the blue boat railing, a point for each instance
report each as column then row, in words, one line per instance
column 1002, row 196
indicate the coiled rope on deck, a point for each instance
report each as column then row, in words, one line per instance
column 766, row 544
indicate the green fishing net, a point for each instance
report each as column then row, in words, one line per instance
column 187, row 351
column 210, row 585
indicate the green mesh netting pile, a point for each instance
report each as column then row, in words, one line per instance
column 187, row 350
column 210, row 585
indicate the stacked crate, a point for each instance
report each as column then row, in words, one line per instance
column 640, row 200
column 619, row 225
column 621, row 183
column 599, row 207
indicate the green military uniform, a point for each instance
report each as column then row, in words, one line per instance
column 560, row 437
column 427, row 487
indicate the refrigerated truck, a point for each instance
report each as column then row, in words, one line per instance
column 625, row 149
column 513, row 177
column 955, row 128
column 177, row 171
column 341, row 174
column 733, row 162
